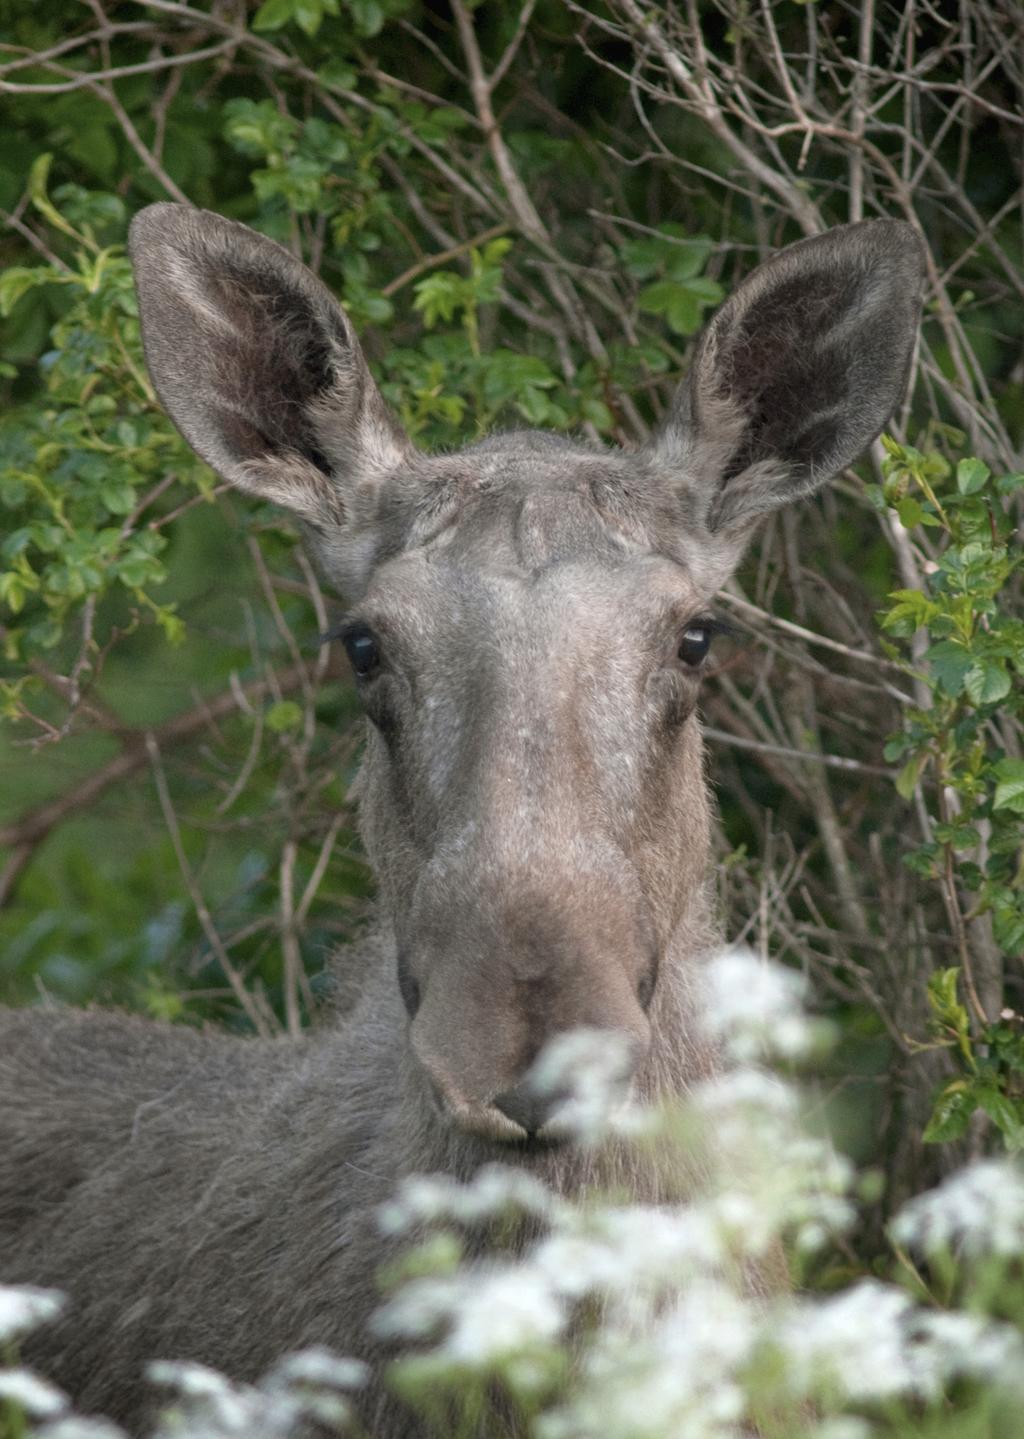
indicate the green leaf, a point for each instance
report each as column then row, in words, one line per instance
column 680, row 307
column 951, row 1113
column 906, row 780
column 510, row 376
column 38, row 176
column 911, row 610
column 950, row 662
column 439, row 296
column 338, row 75
column 910, row 511
column 971, row 476
column 1008, row 929
column 17, row 281
column 119, row 499
column 325, row 142
column 942, row 993
column 597, row 412
column 709, row 292
column 896, row 747
column 671, row 253
column 1007, row 1116
column 1010, row 787
column 368, row 16
column 272, row 14
column 987, row 681
column 284, row 715
column 12, row 591
column 309, row 13
column 257, row 127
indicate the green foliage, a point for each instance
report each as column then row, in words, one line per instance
column 969, row 659
column 80, row 465
column 680, row 292
column 991, row 1064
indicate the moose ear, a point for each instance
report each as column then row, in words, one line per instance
column 796, row 374
column 257, row 364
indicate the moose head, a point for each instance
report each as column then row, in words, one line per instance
column 528, row 620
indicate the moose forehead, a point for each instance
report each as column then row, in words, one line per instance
column 533, row 514
column 524, row 620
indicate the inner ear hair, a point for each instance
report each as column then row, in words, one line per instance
column 797, row 372
column 257, row 364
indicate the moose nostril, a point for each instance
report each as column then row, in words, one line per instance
column 648, row 983
column 525, row 1107
column 408, row 986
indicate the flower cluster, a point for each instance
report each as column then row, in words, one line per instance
column 628, row 1321
column 977, row 1212
column 306, row 1394
column 754, row 1010
column 614, row 1320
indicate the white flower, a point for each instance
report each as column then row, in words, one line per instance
column 979, row 1211
column 489, row 1312
column 25, row 1308
column 639, row 1247
column 420, row 1307
column 872, row 1343
column 747, row 1089
column 300, row 1387
column 223, row 1406
column 843, row 1426
column 496, row 1189
column 39, row 1399
column 855, row 1345
column 318, row 1366
column 754, row 1010
column 504, row 1311
column 969, row 1345
column 74, row 1426
column 588, row 1072
column 679, row 1375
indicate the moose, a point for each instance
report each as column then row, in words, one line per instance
column 527, row 626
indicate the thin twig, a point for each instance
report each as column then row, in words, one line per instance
column 246, row 1001
column 830, row 761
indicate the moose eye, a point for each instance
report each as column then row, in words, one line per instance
column 695, row 643
column 363, row 652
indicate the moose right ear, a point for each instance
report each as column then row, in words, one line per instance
column 794, row 376
column 257, row 364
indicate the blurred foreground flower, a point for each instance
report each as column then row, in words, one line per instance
column 599, row 1318
column 977, row 1212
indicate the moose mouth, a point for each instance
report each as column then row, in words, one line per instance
column 486, row 1120
column 520, row 1122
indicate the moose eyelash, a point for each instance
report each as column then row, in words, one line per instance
column 340, row 630
column 714, row 624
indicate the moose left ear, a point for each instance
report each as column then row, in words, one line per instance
column 259, row 367
column 796, row 374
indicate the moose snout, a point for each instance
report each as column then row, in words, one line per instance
column 506, row 960
column 579, row 1076
column 514, row 1062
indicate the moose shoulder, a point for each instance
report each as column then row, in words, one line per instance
column 527, row 626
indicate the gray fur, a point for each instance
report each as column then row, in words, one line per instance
column 533, row 803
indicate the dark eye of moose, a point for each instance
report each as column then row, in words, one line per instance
column 363, row 652
column 695, row 643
